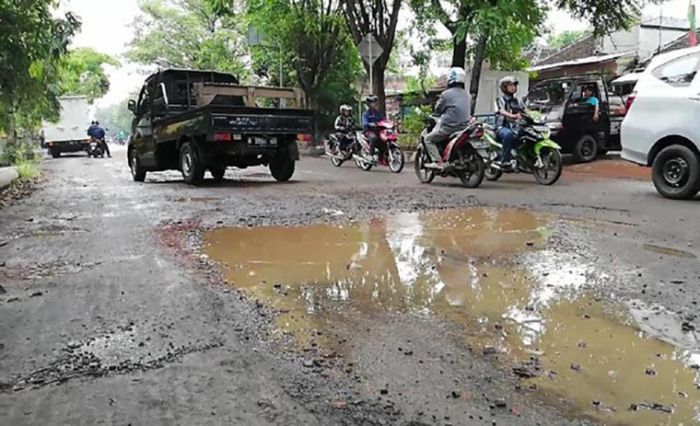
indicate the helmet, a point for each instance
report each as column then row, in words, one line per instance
column 372, row 99
column 505, row 81
column 345, row 108
column 456, row 75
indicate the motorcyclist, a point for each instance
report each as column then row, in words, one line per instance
column 370, row 119
column 98, row 133
column 454, row 109
column 344, row 126
column 509, row 112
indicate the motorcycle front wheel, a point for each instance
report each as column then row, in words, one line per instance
column 493, row 174
column 424, row 175
column 396, row 159
column 553, row 165
column 474, row 177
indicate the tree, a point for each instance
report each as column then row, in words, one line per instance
column 309, row 33
column 188, row 34
column 380, row 18
column 31, row 47
column 81, row 72
column 605, row 16
column 565, row 38
column 117, row 118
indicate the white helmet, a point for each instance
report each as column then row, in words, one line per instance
column 345, row 108
column 456, row 75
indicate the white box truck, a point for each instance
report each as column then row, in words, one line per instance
column 69, row 134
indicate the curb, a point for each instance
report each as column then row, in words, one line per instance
column 7, row 176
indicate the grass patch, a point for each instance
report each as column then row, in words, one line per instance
column 27, row 169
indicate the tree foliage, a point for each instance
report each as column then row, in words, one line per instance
column 81, row 72
column 188, row 34
column 309, row 34
column 117, row 117
column 380, row 18
column 565, row 38
column 605, row 16
column 32, row 45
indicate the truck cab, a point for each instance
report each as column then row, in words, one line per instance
column 195, row 121
column 569, row 116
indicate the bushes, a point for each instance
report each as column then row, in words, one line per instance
column 413, row 125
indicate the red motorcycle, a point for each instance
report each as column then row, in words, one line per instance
column 459, row 153
column 387, row 150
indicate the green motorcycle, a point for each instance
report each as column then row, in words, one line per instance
column 536, row 153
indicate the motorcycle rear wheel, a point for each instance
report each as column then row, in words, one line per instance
column 424, row 175
column 554, row 165
column 337, row 162
column 474, row 178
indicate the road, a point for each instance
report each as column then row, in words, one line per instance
column 117, row 305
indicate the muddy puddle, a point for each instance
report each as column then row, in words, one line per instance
column 494, row 273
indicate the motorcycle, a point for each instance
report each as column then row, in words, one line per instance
column 388, row 151
column 536, row 153
column 339, row 156
column 94, row 149
column 459, row 152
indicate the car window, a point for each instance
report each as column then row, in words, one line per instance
column 680, row 72
column 548, row 94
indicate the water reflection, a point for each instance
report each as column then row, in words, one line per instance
column 486, row 269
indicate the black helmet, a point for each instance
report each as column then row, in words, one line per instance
column 371, row 99
column 505, row 81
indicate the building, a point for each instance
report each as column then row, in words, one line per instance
column 617, row 53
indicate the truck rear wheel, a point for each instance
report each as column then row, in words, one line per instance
column 282, row 167
column 55, row 153
column 190, row 165
column 138, row 173
column 586, row 149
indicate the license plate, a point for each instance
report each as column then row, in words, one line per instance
column 262, row 141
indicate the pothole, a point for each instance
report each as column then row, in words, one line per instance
column 492, row 271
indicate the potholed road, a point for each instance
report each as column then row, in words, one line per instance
column 118, row 307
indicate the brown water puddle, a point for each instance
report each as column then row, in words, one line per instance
column 486, row 269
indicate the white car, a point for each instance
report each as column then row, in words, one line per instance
column 662, row 126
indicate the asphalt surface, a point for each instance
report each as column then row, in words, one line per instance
column 109, row 315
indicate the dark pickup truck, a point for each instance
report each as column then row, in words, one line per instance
column 569, row 117
column 195, row 121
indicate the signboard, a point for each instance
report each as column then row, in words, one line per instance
column 369, row 49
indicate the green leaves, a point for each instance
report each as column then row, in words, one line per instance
column 33, row 41
column 189, row 34
column 82, row 72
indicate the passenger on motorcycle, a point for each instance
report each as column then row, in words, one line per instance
column 369, row 121
column 344, row 126
column 509, row 112
column 454, row 109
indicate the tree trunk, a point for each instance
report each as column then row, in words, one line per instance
column 479, row 56
column 378, row 88
column 459, row 52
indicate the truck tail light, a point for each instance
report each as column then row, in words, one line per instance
column 222, row 137
column 304, row 137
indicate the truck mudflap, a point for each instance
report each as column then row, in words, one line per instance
column 294, row 151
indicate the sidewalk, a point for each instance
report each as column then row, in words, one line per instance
column 7, row 176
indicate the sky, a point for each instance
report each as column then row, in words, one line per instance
column 107, row 27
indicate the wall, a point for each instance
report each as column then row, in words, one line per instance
column 649, row 40
column 489, row 90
